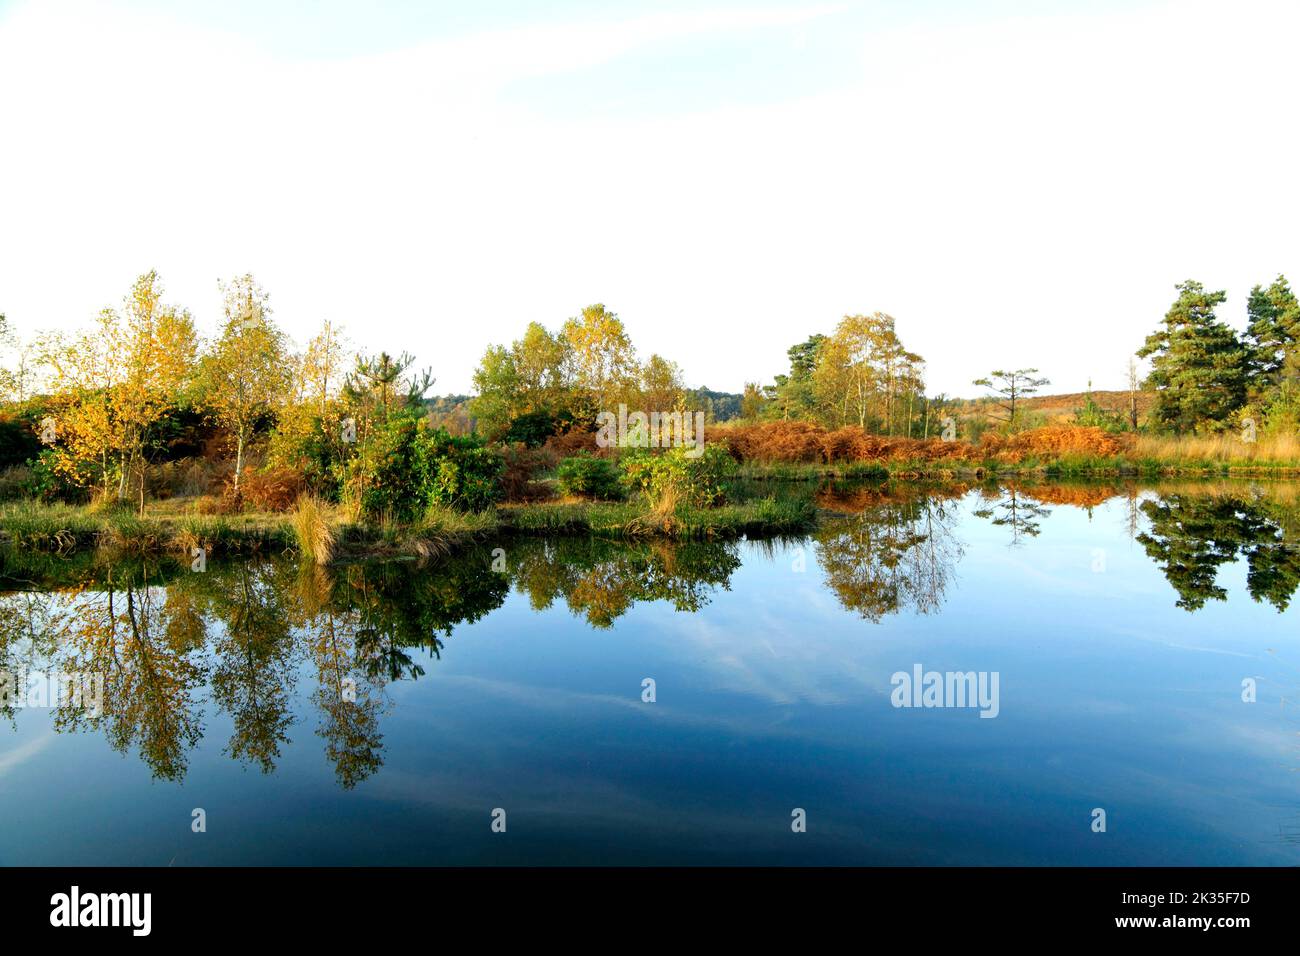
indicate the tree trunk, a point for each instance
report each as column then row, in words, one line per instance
column 239, row 458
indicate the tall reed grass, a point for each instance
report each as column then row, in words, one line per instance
column 1226, row 449
column 312, row 529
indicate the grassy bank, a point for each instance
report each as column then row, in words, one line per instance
column 762, row 499
column 61, row 528
column 324, row 534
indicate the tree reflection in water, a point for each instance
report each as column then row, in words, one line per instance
column 236, row 638
column 889, row 550
column 1191, row 536
column 177, row 648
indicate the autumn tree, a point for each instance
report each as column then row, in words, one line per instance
column 661, row 385
column 245, row 375
column 864, row 375
column 602, row 361
column 540, row 361
column 530, row 376
column 83, row 370
column 752, row 401
column 155, row 345
column 16, row 375
column 116, row 381
column 321, row 367
column 496, row 388
column 308, row 432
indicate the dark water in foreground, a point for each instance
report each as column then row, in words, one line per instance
column 1120, row 624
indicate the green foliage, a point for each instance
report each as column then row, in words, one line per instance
column 1198, row 366
column 1192, row 537
column 404, row 467
column 1092, row 414
column 587, row 476
column 533, row 428
column 1274, row 330
column 47, row 482
column 314, row 453
column 792, row 395
column 18, row 441
column 675, row 477
column 459, row 470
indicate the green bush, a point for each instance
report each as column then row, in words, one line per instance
column 674, row 477
column 405, row 466
column 531, row 428
column 47, row 483
column 18, row 441
column 457, row 470
column 586, row 476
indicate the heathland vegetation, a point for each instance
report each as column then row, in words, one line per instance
column 139, row 432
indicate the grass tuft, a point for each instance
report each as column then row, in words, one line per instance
column 312, row 530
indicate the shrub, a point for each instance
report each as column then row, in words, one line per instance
column 572, row 442
column 306, row 446
column 586, row 476
column 531, row 428
column 48, row 482
column 519, row 476
column 18, row 441
column 276, row 489
column 674, row 477
column 404, row 467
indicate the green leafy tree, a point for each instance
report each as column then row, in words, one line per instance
column 496, row 387
column 792, row 396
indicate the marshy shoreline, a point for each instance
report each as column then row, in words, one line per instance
column 761, row 501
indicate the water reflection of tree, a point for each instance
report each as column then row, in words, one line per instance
column 140, row 637
column 247, row 629
column 1009, row 507
column 892, row 556
column 254, row 675
column 1192, row 536
column 350, row 701
column 601, row 579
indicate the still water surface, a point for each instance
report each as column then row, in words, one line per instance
column 1121, row 623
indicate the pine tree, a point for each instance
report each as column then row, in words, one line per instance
column 1274, row 331
column 1199, row 367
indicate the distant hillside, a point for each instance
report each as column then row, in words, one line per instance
column 1065, row 405
column 724, row 405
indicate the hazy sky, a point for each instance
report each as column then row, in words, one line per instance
column 1017, row 183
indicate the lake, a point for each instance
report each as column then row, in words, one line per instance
column 1091, row 674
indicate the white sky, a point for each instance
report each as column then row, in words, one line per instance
column 1015, row 190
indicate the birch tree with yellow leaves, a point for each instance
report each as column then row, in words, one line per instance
column 115, row 381
column 603, row 366
column 156, row 346
column 246, row 373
